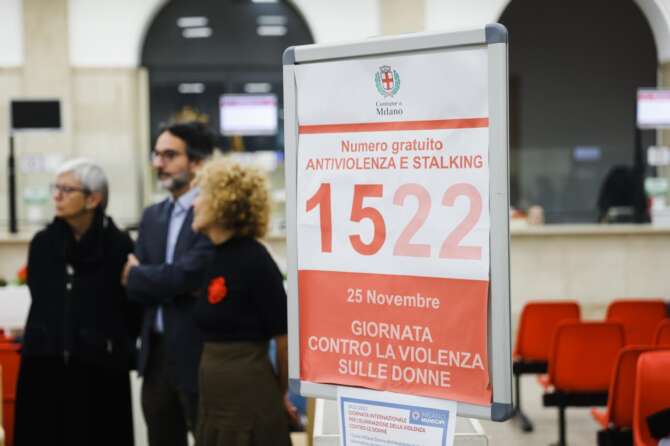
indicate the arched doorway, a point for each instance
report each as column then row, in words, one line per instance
column 197, row 51
column 575, row 67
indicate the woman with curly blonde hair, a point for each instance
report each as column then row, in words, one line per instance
column 242, row 401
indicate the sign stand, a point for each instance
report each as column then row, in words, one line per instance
column 11, row 189
column 470, row 118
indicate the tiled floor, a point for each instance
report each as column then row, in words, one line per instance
column 581, row 428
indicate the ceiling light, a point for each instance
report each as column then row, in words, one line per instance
column 271, row 30
column 271, row 20
column 191, row 22
column 191, row 88
column 257, row 87
column 197, row 33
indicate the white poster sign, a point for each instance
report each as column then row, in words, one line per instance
column 397, row 199
column 393, row 223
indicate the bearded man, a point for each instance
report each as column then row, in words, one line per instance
column 164, row 274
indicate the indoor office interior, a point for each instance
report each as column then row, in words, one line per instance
column 589, row 120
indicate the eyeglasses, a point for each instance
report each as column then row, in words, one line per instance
column 65, row 190
column 166, row 155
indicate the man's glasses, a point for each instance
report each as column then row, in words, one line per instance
column 165, row 155
column 65, row 190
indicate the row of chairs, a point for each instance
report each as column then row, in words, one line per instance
column 578, row 358
column 636, row 391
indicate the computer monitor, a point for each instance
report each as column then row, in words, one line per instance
column 248, row 114
column 31, row 114
column 653, row 108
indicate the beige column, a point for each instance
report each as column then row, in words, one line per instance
column 401, row 16
column 46, row 44
column 46, row 71
column 111, row 114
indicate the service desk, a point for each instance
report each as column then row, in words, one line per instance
column 591, row 263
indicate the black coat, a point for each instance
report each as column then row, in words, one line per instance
column 79, row 341
column 79, row 308
column 173, row 286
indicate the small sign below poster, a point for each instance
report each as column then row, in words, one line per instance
column 373, row 418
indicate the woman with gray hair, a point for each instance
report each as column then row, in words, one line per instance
column 80, row 335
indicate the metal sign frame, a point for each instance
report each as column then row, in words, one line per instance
column 494, row 38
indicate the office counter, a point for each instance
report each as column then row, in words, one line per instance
column 591, row 263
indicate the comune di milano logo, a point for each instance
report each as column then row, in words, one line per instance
column 387, row 81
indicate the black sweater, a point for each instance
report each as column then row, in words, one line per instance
column 79, row 308
column 245, row 300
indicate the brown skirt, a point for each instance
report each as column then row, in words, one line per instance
column 240, row 401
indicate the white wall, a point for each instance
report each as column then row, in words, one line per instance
column 11, row 33
column 338, row 20
column 444, row 15
column 109, row 33
column 657, row 14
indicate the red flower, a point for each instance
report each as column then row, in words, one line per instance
column 217, row 290
column 22, row 275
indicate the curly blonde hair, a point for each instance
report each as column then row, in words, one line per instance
column 238, row 196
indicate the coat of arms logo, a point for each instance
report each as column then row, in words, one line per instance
column 387, row 81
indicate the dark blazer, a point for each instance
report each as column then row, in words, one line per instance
column 83, row 315
column 172, row 286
